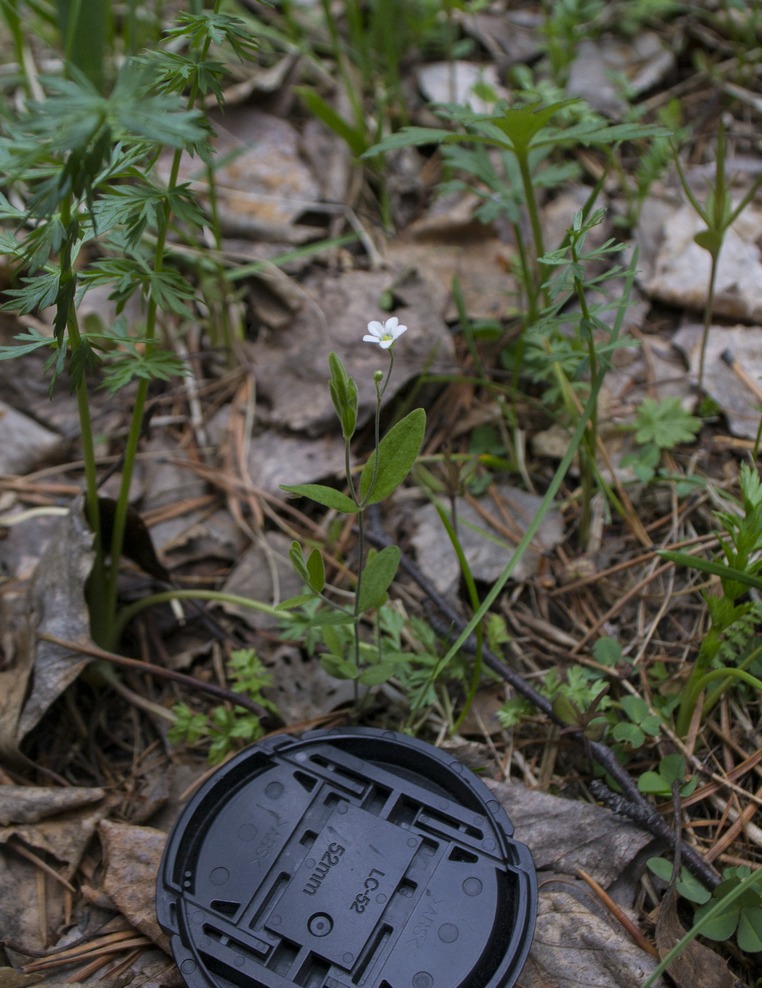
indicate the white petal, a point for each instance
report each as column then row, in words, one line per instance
column 376, row 328
column 385, row 344
column 370, row 339
column 391, row 325
column 399, row 330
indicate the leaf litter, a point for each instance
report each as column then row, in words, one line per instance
column 270, row 187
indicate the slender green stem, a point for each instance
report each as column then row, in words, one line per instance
column 544, row 507
column 128, row 613
column 67, row 276
column 362, row 504
column 141, row 394
column 534, row 220
column 708, row 313
column 473, row 596
column 380, row 391
column 695, row 689
column 590, row 444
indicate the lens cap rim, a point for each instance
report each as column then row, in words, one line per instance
column 440, row 783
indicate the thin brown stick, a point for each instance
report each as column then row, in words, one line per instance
column 621, row 917
column 138, row 665
column 23, row 851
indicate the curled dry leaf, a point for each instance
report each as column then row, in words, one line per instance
column 132, row 858
column 55, row 604
column 577, row 941
column 55, row 821
column 697, row 966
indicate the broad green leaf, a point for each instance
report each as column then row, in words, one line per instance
column 414, row 137
column 628, row 733
column 660, row 867
column 335, row 640
column 722, row 925
column 635, row 708
column 339, row 668
column 377, row 577
column 344, row 396
column 521, row 124
column 396, row 455
column 375, row 675
column 652, row 782
column 329, row 497
column 607, row 651
column 690, row 888
column 749, row 934
column 565, row 709
column 665, row 423
column 672, row 767
column 316, row 571
column 710, row 240
column 328, row 618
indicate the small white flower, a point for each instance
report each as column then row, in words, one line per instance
column 384, row 333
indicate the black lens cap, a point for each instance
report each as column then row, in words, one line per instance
column 346, row 858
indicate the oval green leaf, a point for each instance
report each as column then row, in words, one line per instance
column 329, row 497
column 377, row 577
column 396, row 454
column 316, row 571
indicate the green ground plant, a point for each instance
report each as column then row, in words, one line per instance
column 391, row 460
column 526, row 142
column 509, row 157
column 730, row 653
column 717, row 915
column 736, row 905
column 565, row 24
column 718, row 213
column 227, row 727
column 89, row 208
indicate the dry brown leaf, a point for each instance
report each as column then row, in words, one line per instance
column 265, row 184
column 576, row 943
column 292, row 366
column 132, row 858
column 11, row 978
column 23, row 442
column 22, row 920
column 734, row 396
column 597, row 72
column 676, row 270
column 263, row 573
column 276, row 458
column 302, row 689
column 697, row 966
column 565, row 835
column 455, row 82
column 448, row 243
column 55, row 604
column 487, row 549
column 56, row 822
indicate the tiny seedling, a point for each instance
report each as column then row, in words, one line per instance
column 226, row 727
column 391, row 461
column 731, row 646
